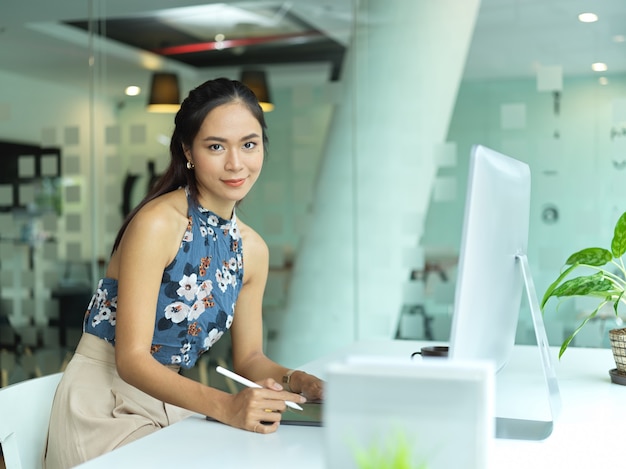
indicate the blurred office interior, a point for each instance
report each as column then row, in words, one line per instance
column 376, row 107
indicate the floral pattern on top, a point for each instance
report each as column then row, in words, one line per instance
column 197, row 295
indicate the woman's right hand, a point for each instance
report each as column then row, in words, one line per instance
column 259, row 410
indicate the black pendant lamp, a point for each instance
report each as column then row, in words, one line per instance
column 164, row 93
column 256, row 80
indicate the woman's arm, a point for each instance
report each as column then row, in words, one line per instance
column 247, row 329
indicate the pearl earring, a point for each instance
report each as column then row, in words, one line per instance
column 190, row 165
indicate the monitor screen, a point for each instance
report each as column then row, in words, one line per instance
column 490, row 280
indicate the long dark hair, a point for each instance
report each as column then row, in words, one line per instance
column 188, row 120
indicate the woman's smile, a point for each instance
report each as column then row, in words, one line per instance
column 234, row 182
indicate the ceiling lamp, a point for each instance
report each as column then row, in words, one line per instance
column 599, row 67
column 132, row 90
column 164, row 93
column 257, row 82
column 587, row 17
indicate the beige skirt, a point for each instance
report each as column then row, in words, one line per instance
column 95, row 411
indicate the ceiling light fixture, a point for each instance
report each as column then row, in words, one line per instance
column 132, row 90
column 587, row 17
column 164, row 93
column 603, row 81
column 599, row 67
column 256, row 80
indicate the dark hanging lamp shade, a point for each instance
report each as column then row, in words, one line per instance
column 256, row 80
column 164, row 93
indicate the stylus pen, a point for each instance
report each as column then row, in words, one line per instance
column 250, row 384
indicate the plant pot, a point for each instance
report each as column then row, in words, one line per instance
column 617, row 338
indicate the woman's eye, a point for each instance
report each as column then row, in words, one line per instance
column 215, row 147
column 249, row 145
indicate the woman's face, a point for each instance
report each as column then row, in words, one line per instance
column 227, row 154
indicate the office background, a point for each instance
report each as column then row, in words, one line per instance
column 361, row 199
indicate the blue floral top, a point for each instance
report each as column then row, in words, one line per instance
column 197, row 295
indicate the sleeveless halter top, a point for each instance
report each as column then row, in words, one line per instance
column 197, row 295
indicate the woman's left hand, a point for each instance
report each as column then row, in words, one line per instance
column 309, row 386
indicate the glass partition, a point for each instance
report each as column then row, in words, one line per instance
column 109, row 148
column 362, row 193
column 560, row 112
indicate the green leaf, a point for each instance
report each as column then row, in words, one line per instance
column 616, row 303
column 565, row 345
column 550, row 289
column 587, row 285
column 582, row 324
column 590, row 256
column 618, row 245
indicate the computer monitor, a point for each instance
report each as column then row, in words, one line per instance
column 489, row 279
column 493, row 271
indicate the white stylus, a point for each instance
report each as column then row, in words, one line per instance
column 250, row 384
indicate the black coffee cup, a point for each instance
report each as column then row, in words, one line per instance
column 430, row 351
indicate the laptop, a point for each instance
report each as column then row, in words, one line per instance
column 310, row 416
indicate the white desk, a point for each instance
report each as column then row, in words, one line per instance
column 588, row 433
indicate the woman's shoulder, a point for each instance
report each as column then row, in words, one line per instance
column 155, row 230
column 253, row 243
column 164, row 211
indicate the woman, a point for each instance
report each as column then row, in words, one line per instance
column 183, row 270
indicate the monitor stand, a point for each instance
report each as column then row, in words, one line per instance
column 521, row 429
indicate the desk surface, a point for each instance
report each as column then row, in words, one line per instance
column 587, row 434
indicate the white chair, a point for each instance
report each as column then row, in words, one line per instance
column 24, row 415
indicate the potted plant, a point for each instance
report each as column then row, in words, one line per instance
column 600, row 282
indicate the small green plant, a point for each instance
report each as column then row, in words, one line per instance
column 601, row 283
column 395, row 454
